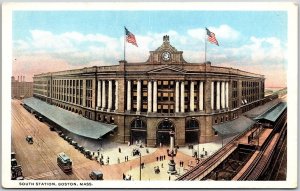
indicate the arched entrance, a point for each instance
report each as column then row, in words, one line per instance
column 163, row 132
column 138, row 131
column 192, row 131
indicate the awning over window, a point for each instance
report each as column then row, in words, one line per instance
column 234, row 127
column 70, row 121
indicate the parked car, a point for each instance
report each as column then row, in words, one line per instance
column 88, row 154
column 29, row 139
column 96, row 175
column 74, row 143
column 135, row 152
column 81, row 148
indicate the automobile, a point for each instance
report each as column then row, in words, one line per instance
column 29, row 139
column 52, row 128
column 96, row 175
column 135, row 152
column 66, row 137
column 14, row 162
column 62, row 135
column 13, row 155
column 88, row 154
column 74, row 143
column 40, row 119
column 81, row 148
column 69, row 139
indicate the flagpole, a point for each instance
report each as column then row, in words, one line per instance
column 205, row 46
column 124, row 42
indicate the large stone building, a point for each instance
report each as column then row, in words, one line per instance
column 21, row 89
column 148, row 99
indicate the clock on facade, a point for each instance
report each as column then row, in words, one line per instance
column 166, row 56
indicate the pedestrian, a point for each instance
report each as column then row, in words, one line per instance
column 164, row 157
column 160, row 144
column 124, row 176
column 125, row 158
column 118, row 160
column 169, row 178
column 119, row 150
column 156, row 158
column 159, row 158
column 101, row 156
column 162, row 165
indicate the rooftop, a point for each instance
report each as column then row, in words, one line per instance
column 72, row 122
column 273, row 113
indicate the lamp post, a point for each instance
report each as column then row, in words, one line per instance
column 140, row 166
column 172, row 153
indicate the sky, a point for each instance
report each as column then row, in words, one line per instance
column 47, row 41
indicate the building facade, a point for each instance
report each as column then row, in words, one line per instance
column 146, row 100
column 21, row 89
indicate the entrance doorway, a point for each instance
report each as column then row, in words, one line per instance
column 163, row 132
column 192, row 131
column 138, row 131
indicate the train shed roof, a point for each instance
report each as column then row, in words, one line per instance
column 72, row 122
column 273, row 113
column 234, row 127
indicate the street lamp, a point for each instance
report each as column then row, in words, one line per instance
column 172, row 153
column 140, row 166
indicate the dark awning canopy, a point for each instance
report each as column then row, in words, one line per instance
column 273, row 113
column 70, row 121
column 234, row 127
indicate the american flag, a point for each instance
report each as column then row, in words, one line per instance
column 211, row 37
column 130, row 37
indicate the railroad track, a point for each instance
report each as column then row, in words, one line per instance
column 259, row 164
column 256, row 168
column 201, row 169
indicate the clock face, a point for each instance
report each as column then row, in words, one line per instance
column 166, row 56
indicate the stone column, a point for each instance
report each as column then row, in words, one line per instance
column 155, row 96
column 192, row 97
column 201, row 96
column 83, row 94
column 116, row 95
column 75, row 92
column 218, row 95
column 103, row 95
column 226, row 94
column 63, row 90
column 109, row 95
column 99, row 94
column 177, row 97
column 149, row 96
column 128, row 95
column 212, row 95
column 182, row 98
column 139, row 92
column 71, row 91
column 223, row 95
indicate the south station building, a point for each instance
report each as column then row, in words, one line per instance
column 148, row 99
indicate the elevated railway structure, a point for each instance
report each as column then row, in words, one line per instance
column 247, row 157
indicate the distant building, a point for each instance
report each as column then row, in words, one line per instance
column 21, row 89
column 148, row 99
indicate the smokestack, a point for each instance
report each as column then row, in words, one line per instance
column 18, row 78
column 24, row 78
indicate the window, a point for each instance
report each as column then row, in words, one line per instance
column 138, row 124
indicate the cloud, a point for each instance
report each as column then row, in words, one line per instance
column 72, row 49
column 225, row 32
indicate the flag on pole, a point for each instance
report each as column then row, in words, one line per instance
column 130, row 37
column 211, row 37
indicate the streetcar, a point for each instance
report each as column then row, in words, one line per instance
column 64, row 162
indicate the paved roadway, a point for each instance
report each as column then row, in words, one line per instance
column 39, row 159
